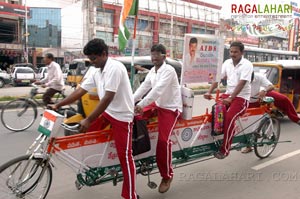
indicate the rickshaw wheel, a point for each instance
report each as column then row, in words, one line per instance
column 267, row 137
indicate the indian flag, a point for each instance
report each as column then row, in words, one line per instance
column 47, row 123
column 130, row 8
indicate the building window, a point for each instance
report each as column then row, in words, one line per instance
column 104, row 19
column 106, row 36
column 165, row 28
column 142, row 25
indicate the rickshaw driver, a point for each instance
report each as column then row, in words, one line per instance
column 164, row 98
column 237, row 71
column 115, row 107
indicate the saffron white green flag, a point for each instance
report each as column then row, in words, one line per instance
column 50, row 122
column 130, row 8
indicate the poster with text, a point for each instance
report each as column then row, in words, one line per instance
column 202, row 58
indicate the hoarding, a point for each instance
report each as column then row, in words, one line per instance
column 202, row 58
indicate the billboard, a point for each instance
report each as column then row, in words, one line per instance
column 202, row 58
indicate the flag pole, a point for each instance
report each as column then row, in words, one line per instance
column 132, row 69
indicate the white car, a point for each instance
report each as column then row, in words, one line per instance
column 22, row 76
column 41, row 73
column 4, row 78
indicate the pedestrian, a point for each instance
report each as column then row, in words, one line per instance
column 237, row 71
column 115, row 107
column 261, row 87
column 54, row 80
column 162, row 97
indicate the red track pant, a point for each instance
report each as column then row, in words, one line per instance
column 122, row 132
column 284, row 104
column 166, row 122
column 237, row 108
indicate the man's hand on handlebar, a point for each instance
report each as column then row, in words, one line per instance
column 40, row 83
column 207, row 96
column 262, row 94
column 37, row 82
column 138, row 109
column 84, row 125
column 53, row 107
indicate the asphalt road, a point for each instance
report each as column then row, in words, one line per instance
column 232, row 178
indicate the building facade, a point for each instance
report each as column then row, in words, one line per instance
column 12, row 18
column 160, row 21
column 44, row 28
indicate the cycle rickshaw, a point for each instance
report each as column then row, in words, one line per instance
column 93, row 155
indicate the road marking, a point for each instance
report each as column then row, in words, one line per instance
column 278, row 159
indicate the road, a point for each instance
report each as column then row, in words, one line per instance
column 232, row 178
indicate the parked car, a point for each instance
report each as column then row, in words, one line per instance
column 22, row 76
column 4, row 78
column 25, row 65
column 41, row 73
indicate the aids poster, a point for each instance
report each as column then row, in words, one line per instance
column 202, row 58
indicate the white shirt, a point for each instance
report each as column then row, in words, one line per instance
column 189, row 63
column 55, row 78
column 165, row 89
column 113, row 78
column 259, row 83
column 242, row 71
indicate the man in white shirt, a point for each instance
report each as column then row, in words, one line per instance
column 237, row 72
column 115, row 107
column 261, row 87
column 163, row 99
column 54, row 79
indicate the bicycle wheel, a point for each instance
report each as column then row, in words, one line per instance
column 18, row 115
column 267, row 137
column 25, row 178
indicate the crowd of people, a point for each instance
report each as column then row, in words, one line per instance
column 159, row 94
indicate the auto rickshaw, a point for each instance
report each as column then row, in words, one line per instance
column 285, row 76
column 77, row 69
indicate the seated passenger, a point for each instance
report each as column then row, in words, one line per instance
column 261, row 87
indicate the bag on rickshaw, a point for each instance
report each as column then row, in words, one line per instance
column 140, row 137
column 218, row 115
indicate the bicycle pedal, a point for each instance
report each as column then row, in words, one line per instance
column 257, row 135
column 78, row 185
